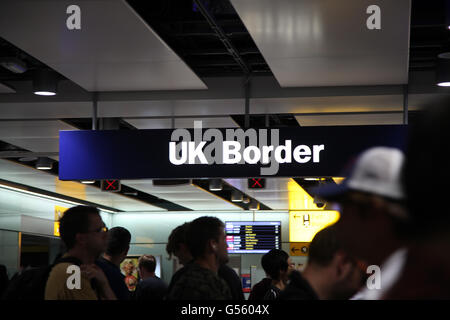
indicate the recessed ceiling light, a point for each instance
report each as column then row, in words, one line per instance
column 44, row 82
column 88, row 181
column 28, row 159
column 44, row 164
column 44, row 93
column 237, row 196
column 215, row 185
column 254, row 205
column 13, row 64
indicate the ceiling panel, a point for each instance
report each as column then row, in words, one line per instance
column 216, row 122
column 5, row 89
column 48, row 110
column 186, row 195
column 201, row 107
column 35, row 136
column 115, row 50
column 350, row 120
column 327, row 104
column 28, row 176
column 323, row 45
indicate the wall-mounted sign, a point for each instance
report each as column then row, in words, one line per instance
column 217, row 153
column 256, row 183
column 298, row 248
column 59, row 212
column 111, row 185
column 304, row 224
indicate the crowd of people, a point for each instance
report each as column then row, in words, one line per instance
column 391, row 218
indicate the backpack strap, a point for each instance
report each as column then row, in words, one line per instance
column 68, row 259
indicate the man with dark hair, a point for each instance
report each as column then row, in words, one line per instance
column 177, row 246
column 118, row 244
column 207, row 244
column 84, row 234
column 372, row 202
column 278, row 266
column 150, row 287
column 329, row 274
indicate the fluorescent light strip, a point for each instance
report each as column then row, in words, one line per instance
column 40, row 195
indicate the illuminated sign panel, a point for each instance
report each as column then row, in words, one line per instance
column 253, row 236
column 217, row 153
column 111, row 185
column 256, row 183
column 304, row 224
column 59, row 212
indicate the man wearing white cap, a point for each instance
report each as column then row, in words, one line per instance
column 373, row 215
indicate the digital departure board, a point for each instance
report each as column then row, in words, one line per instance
column 253, row 236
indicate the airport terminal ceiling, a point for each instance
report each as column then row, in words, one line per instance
column 132, row 65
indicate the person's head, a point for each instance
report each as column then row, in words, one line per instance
column 177, row 246
column 426, row 172
column 205, row 237
column 147, row 265
column 277, row 264
column 82, row 228
column 118, row 243
column 371, row 199
column 340, row 273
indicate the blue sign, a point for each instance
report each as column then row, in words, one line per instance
column 218, row 153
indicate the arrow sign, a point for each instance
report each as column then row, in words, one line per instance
column 299, row 248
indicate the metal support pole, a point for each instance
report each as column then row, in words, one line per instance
column 94, row 111
column 405, row 104
column 247, row 102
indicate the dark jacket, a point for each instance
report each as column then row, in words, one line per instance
column 115, row 278
column 298, row 288
column 233, row 281
column 198, row 283
column 260, row 289
column 152, row 288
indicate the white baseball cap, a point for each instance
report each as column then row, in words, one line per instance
column 376, row 171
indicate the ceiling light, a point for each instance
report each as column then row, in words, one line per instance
column 44, row 82
column 254, row 205
column 246, row 200
column 237, row 196
column 311, row 179
column 44, row 164
column 87, row 181
column 443, row 70
column 48, row 197
column 14, row 65
column 28, row 159
column 215, row 185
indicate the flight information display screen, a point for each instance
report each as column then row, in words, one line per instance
column 253, row 236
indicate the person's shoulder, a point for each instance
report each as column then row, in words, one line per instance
column 60, row 270
column 226, row 271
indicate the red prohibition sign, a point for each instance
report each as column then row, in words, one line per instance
column 256, row 182
column 110, row 184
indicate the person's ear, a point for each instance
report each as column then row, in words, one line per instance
column 344, row 265
column 213, row 245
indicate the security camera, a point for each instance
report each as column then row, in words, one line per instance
column 319, row 202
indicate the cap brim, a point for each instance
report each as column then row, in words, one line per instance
column 330, row 191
